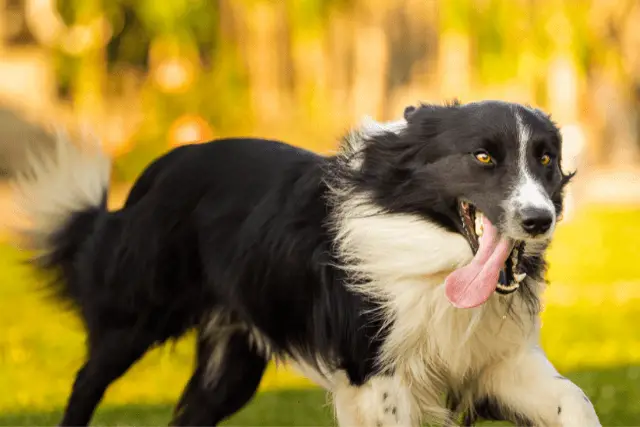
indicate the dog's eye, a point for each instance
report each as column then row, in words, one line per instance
column 545, row 159
column 483, row 157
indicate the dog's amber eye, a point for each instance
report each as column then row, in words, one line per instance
column 545, row 159
column 483, row 157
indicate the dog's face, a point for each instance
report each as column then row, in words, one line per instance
column 458, row 163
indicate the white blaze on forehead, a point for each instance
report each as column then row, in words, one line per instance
column 529, row 192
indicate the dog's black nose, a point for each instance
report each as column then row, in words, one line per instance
column 536, row 221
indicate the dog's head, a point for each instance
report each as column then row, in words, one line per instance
column 488, row 167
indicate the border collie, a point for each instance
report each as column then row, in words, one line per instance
column 402, row 274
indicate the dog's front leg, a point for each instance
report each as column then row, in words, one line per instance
column 381, row 402
column 528, row 387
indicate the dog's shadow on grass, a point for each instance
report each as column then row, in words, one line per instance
column 614, row 391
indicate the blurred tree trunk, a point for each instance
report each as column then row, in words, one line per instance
column 88, row 87
column 261, row 36
column 454, row 67
column 412, row 75
column 339, row 51
column 613, row 80
column 562, row 91
column 370, row 59
column 309, row 59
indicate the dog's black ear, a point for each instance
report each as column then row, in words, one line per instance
column 540, row 112
column 408, row 112
column 543, row 114
column 558, row 196
column 411, row 110
column 566, row 178
column 425, row 120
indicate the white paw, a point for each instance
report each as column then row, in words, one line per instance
column 381, row 402
column 389, row 412
column 575, row 410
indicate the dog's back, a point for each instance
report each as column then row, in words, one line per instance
column 147, row 253
column 150, row 271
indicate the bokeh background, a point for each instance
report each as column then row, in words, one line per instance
column 148, row 75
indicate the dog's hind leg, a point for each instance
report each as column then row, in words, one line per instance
column 227, row 376
column 110, row 354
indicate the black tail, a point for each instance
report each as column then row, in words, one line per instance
column 63, row 198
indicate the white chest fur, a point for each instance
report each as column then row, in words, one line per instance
column 402, row 261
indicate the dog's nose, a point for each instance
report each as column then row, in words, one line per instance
column 536, row 221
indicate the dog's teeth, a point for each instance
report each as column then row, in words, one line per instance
column 508, row 288
column 519, row 277
column 479, row 225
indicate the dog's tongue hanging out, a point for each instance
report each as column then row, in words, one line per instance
column 473, row 284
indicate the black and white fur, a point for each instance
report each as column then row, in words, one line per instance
column 333, row 263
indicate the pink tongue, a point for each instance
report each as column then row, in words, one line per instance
column 474, row 283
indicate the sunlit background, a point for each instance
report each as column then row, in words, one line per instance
column 149, row 75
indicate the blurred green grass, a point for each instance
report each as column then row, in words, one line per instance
column 590, row 333
column 270, row 408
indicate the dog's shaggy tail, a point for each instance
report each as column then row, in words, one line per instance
column 62, row 197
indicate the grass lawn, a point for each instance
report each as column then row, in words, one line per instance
column 590, row 332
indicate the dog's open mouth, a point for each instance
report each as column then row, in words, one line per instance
column 511, row 275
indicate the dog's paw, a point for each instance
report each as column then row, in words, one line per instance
column 388, row 415
column 575, row 410
column 381, row 402
column 389, row 412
